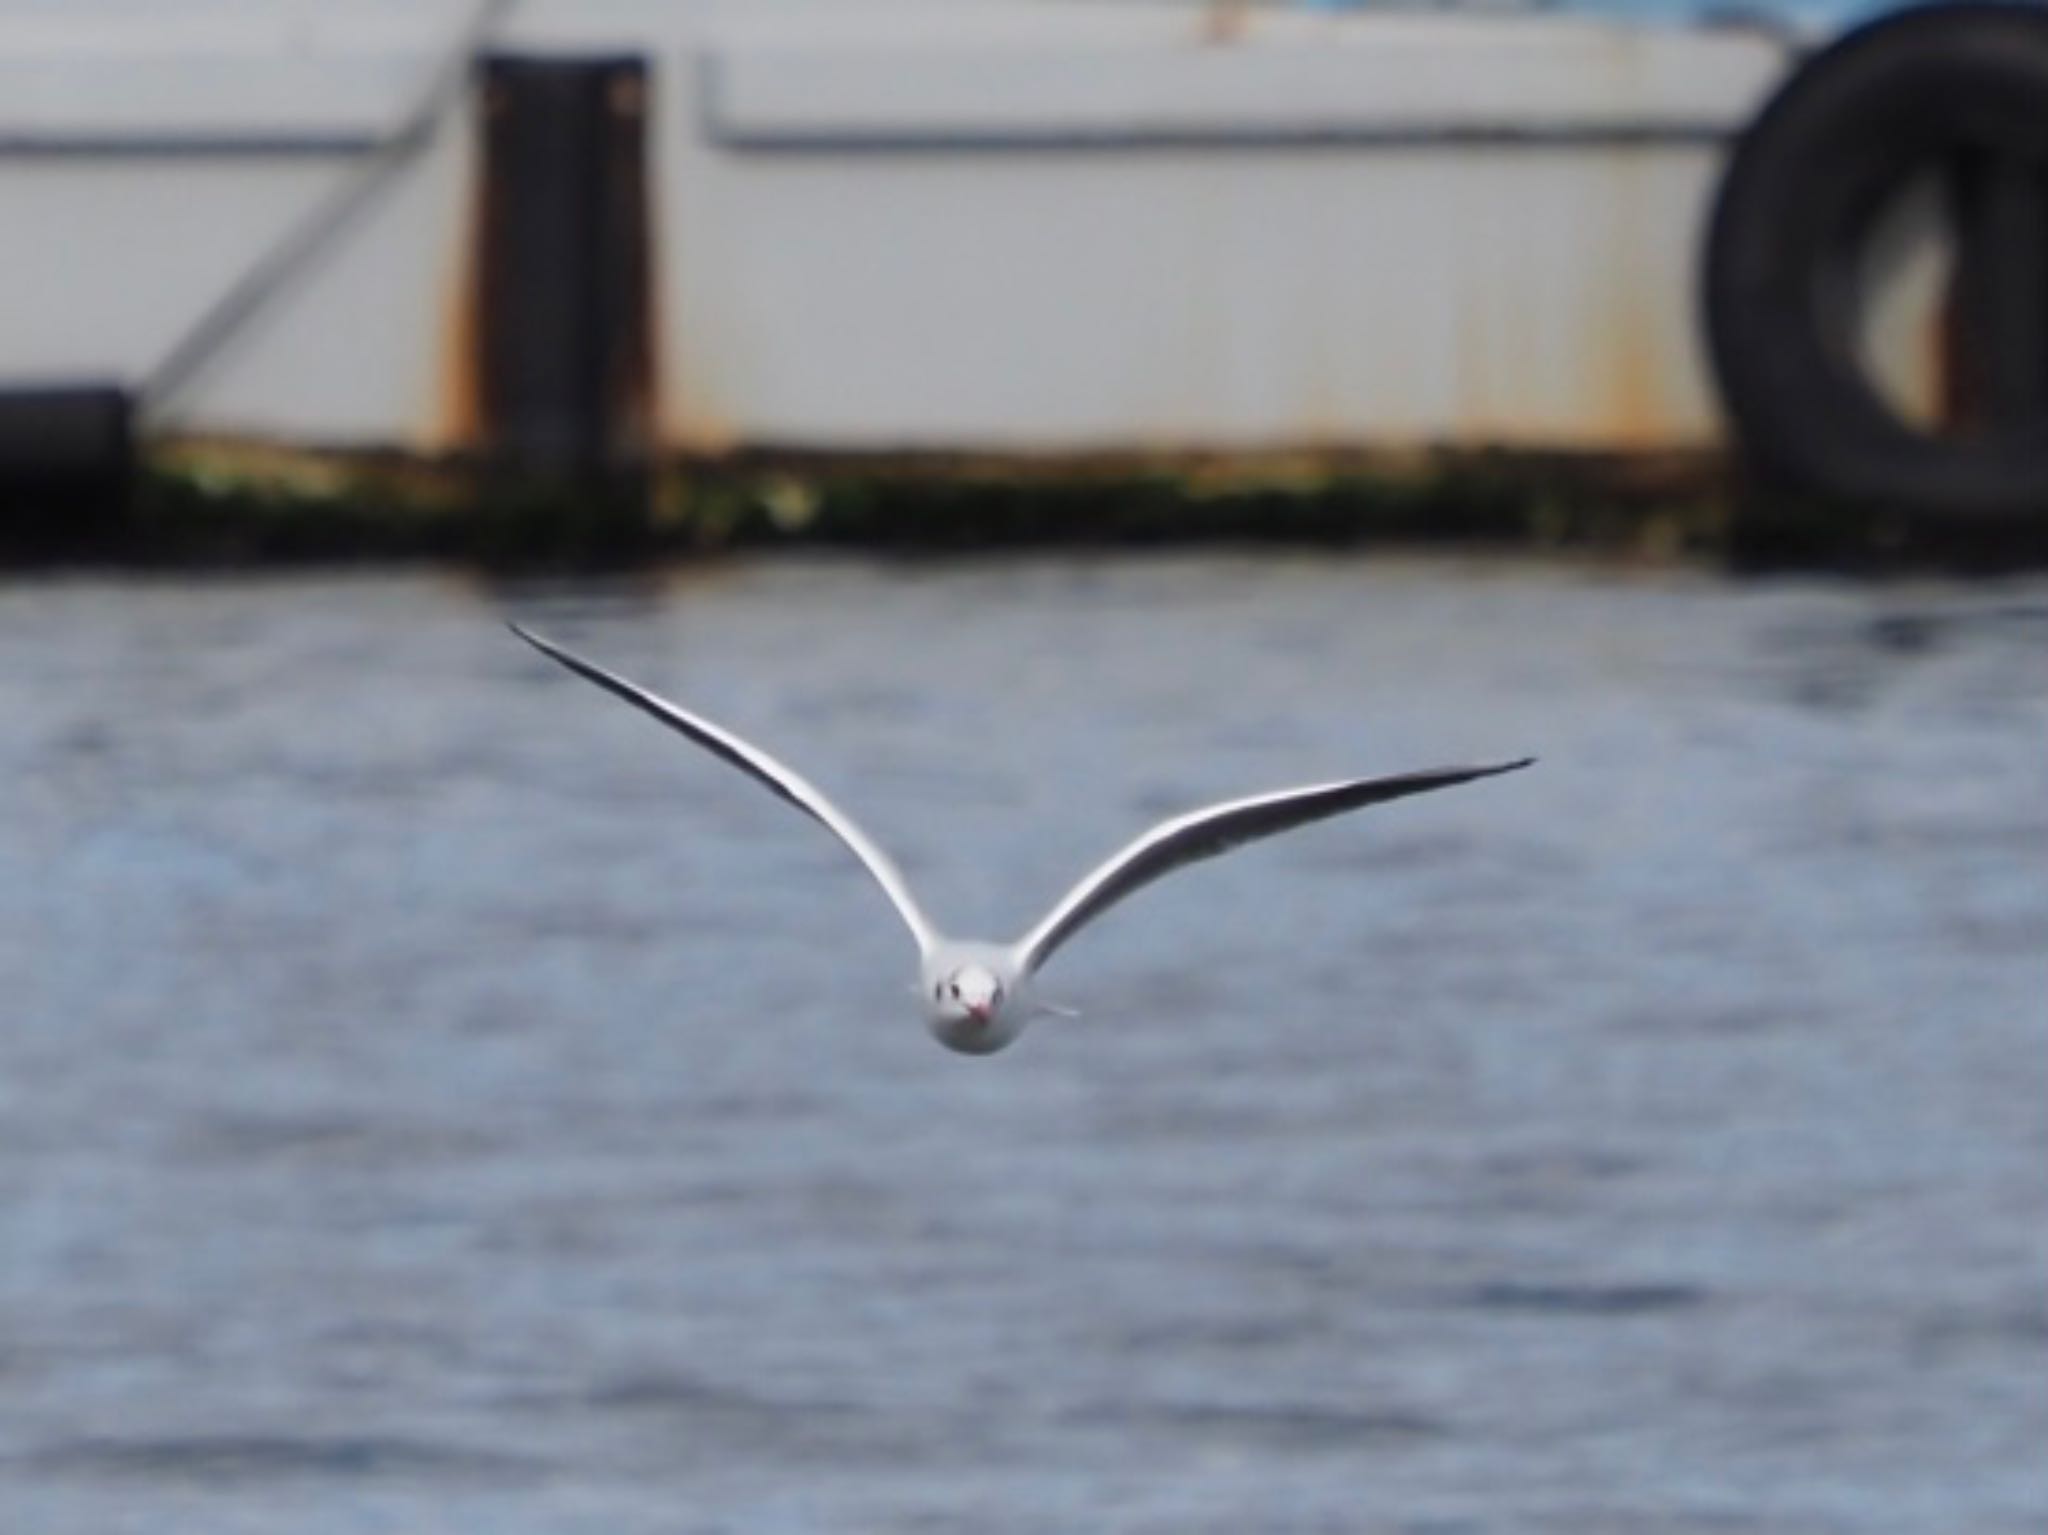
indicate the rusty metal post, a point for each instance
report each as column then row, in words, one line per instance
column 564, row 355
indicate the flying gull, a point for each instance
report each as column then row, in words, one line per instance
column 977, row 996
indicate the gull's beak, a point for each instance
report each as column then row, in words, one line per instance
column 979, row 1011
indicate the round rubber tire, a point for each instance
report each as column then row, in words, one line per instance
column 1850, row 126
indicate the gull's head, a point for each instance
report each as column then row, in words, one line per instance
column 964, row 1006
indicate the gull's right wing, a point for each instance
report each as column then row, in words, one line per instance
column 757, row 764
column 1217, row 829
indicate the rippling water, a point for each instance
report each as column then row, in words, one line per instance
column 434, row 1098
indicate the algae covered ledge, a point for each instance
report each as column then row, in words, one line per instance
column 226, row 503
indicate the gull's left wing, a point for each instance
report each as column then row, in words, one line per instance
column 776, row 777
column 1217, row 829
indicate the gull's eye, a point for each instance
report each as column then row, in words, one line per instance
column 956, row 988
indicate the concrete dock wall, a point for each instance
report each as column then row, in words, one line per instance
column 1013, row 226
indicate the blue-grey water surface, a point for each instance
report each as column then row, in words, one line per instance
column 434, row 1098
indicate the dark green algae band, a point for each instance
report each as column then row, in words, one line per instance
column 194, row 513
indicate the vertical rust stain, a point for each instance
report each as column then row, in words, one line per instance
column 1638, row 410
column 1638, row 418
column 457, row 424
column 633, row 403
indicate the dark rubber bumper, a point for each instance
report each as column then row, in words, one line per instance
column 1960, row 90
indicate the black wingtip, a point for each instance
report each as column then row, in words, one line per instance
column 561, row 657
column 1494, row 770
column 546, row 647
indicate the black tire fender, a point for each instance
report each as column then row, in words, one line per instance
column 1962, row 87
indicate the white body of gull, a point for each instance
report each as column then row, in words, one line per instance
column 977, row 996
